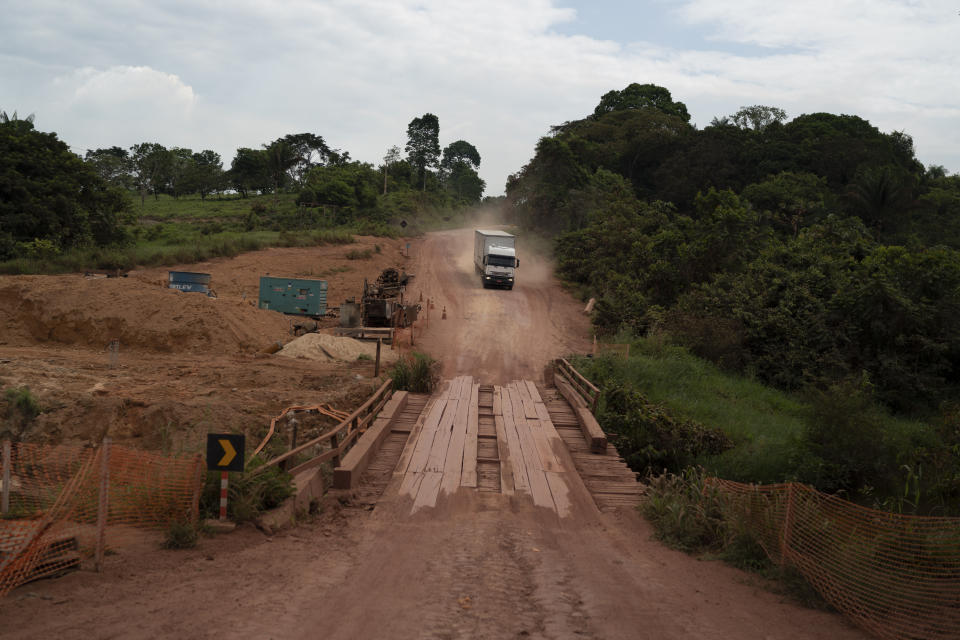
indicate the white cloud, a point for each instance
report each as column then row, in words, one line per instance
column 211, row 75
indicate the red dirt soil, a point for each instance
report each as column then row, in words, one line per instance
column 479, row 565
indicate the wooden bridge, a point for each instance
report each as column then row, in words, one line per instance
column 520, row 440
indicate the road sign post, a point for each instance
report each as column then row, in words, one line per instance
column 225, row 453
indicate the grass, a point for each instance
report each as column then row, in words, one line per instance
column 180, row 247
column 690, row 515
column 772, row 430
column 192, row 208
column 763, row 422
column 418, row 373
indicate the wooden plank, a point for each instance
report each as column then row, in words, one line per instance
column 453, row 463
column 497, row 401
column 592, row 433
column 421, row 452
column 506, row 470
column 514, row 452
column 410, row 484
column 428, row 491
column 560, row 492
column 469, row 477
column 347, row 475
column 438, row 451
column 539, row 488
column 529, row 408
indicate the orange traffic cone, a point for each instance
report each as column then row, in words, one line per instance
column 444, row 316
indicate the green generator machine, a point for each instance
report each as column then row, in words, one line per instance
column 294, row 296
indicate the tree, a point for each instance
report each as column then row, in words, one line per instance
column 281, row 157
column 758, row 117
column 879, row 195
column 208, row 168
column 309, row 151
column 423, row 144
column 393, row 154
column 794, row 200
column 249, row 171
column 460, row 152
column 182, row 175
column 459, row 166
column 112, row 165
column 50, row 197
column 641, row 96
column 152, row 164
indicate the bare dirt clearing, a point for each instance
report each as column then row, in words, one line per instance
column 477, row 565
column 187, row 363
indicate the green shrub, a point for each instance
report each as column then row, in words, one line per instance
column 22, row 408
column 180, row 535
column 418, row 373
column 359, row 254
column 651, row 439
column 248, row 494
column 843, row 446
column 690, row 515
column 684, row 512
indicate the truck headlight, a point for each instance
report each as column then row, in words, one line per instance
column 486, row 277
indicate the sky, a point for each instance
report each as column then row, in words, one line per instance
column 221, row 75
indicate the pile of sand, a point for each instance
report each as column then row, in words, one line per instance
column 89, row 313
column 328, row 348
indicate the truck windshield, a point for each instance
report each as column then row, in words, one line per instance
column 500, row 261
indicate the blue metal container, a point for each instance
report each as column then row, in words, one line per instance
column 295, row 296
column 189, row 281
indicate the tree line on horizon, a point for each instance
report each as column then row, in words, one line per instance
column 52, row 199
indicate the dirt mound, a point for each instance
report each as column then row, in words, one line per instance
column 89, row 313
column 327, row 348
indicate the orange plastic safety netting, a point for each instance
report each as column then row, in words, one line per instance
column 897, row 576
column 53, row 518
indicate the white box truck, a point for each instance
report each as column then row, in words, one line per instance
column 495, row 257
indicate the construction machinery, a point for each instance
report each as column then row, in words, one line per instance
column 381, row 307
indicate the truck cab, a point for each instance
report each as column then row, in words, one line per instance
column 499, row 264
column 495, row 257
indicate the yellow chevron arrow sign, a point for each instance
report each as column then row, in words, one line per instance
column 229, row 453
column 225, row 451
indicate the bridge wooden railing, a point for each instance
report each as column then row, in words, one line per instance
column 587, row 390
column 340, row 437
column 583, row 396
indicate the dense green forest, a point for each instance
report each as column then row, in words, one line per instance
column 53, row 202
column 804, row 252
column 815, row 255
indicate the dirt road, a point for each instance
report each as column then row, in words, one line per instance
column 493, row 334
column 477, row 565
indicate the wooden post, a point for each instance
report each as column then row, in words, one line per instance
column 376, row 369
column 5, row 500
column 293, row 433
column 335, row 444
column 103, row 507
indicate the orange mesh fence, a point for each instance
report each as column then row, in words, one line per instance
column 897, row 576
column 55, row 520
